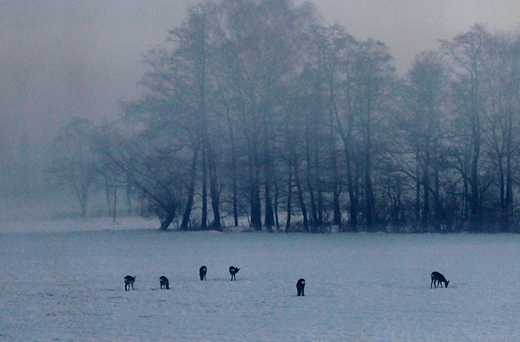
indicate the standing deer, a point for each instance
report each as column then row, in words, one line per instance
column 165, row 283
column 202, row 272
column 233, row 270
column 438, row 278
column 300, row 287
column 129, row 281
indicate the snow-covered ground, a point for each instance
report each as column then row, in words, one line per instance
column 68, row 286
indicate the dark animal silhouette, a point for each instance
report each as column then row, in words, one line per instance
column 233, row 270
column 129, row 281
column 164, row 282
column 438, row 278
column 202, row 272
column 300, row 287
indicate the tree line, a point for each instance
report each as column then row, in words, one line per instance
column 255, row 111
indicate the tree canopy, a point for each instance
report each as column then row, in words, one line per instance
column 253, row 113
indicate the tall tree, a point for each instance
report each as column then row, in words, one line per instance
column 501, row 86
column 373, row 82
column 264, row 38
column 193, row 50
column 329, row 50
column 466, row 57
column 419, row 125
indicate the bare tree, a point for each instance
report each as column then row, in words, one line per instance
column 501, row 86
column 158, row 173
column 320, row 145
column 74, row 162
column 419, row 125
column 371, row 88
column 193, row 52
column 466, row 56
column 263, row 43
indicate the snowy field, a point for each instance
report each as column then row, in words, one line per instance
column 68, row 286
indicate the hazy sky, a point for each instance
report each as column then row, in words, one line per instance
column 66, row 58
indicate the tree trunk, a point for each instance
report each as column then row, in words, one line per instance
column 83, row 199
column 276, row 203
column 312, row 170
column 234, row 181
column 167, row 221
column 128, row 199
column 115, row 204
column 426, row 193
column 256, row 207
column 269, row 213
column 300, row 194
column 107, row 194
column 268, row 170
column 508, row 203
column 352, row 194
column 191, row 191
column 204, row 216
column 289, row 199
column 214, row 193
column 335, row 190
column 417, row 207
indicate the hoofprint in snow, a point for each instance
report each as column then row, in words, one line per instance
column 359, row 287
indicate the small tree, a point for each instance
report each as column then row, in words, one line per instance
column 156, row 172
column 74, row 162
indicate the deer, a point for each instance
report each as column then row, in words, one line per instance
column 438, row 278
column 129, row 281
column 165, row 283
column 202, row 272
column 300, row 287
column 233, row 270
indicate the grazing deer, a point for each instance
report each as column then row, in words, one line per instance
column 202, row 272
column 165, row 283
column 233, row 270
column 129, row 281
column 300, row 287
column 438, row 278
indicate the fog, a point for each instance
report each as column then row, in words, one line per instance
column 72, row 58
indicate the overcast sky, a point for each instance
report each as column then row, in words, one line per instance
column 66, row 58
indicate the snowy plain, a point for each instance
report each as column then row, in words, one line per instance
column 60, row 284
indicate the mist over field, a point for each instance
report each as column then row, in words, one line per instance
column 71, row 59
